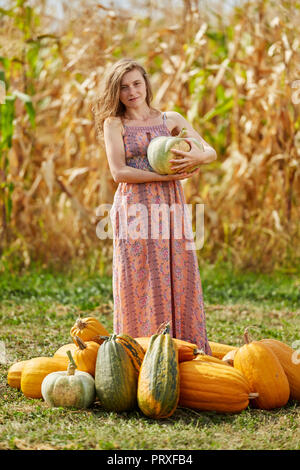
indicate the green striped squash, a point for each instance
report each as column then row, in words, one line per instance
column 133, row 349
column 158, row 383
column 115, row 377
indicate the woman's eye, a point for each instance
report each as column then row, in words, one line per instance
column 124, row 87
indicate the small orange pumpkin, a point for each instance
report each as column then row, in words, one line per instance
column 85, row 355
column 87, row 328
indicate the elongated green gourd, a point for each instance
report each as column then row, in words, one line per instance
column 158, row 383
column 115, row 377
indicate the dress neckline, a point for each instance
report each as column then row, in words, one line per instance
column 145, row 127
column 132, row 130
column 163, row 115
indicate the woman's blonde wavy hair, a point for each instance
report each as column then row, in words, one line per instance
column 108, row 102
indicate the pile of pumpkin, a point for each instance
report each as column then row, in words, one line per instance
column 158, row 373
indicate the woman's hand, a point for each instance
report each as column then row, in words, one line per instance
column 179, row 176
column 194, row 157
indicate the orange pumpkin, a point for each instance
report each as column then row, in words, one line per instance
column 291, row 367
column 87, row 328
column 85, row 355
column 264, row 373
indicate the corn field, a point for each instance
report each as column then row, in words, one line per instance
column 234, row 73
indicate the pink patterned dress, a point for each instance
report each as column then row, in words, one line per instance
column 155, row 278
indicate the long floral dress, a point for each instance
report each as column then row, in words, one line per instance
column 155, row 277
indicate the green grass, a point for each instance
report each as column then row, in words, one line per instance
column 37, row 310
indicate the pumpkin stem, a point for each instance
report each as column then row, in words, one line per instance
column 161, row 327
column 71, row 366
column 183, row 132
column 247, row 339
column 80, row 323
column 198, row 352
column 253, row 395
column 80, row 343
column 246, row 334
column 99, row 338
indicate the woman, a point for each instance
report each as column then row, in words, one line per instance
column 154, row 279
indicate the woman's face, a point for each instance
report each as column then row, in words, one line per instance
column 133, row 90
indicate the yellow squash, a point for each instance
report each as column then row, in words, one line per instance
column 14, row 374
column 62, row 351
column 36, row 369
column 219, row 350
column 211, row 386
column 207, row 358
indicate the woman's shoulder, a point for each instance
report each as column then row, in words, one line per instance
column 175, row 121
column 114, row 123
column 173, row 115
